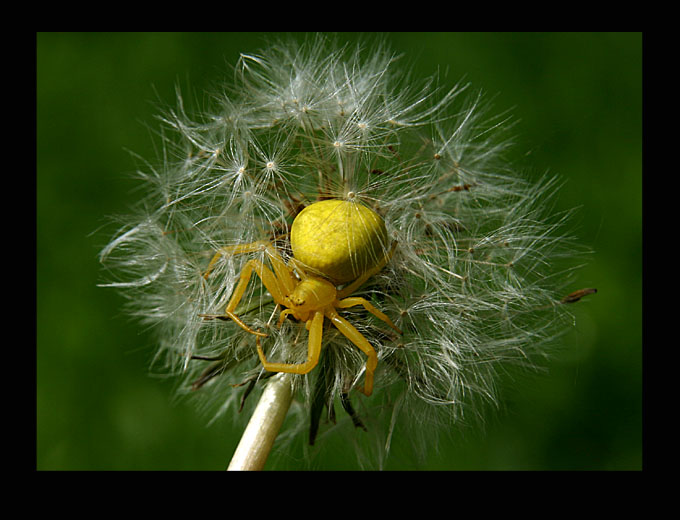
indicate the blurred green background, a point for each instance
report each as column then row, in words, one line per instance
column 578, row 97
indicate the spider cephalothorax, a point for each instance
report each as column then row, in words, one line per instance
column 334, row 242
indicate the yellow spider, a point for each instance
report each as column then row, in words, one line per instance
column 334, row 242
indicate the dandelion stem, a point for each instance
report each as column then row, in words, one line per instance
column 258, row 437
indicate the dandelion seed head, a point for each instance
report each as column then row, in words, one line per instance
column 474, row 283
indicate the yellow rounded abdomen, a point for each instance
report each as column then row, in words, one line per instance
column 338, row 239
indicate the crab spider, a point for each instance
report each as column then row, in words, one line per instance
column 334, row 242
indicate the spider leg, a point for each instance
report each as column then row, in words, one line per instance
column 268, row 278
column 355, row 300
column 283, row 272
column 233, row 250
column 346, row 291
column 283, row 315
column 351, row 333
column 241, row 324
column 279, row 283
column 313, row 351
column 270, row 282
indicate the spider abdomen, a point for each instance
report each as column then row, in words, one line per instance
column 339, row 239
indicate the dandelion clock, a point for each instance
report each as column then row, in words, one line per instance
column 334, row 249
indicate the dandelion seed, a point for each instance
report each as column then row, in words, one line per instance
column 435, row 265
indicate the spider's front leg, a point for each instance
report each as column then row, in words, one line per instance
column 283, row 272
column 351, row 333
column 278, row 284
column 356, row 300
column 270, row 282
column 313, row 350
